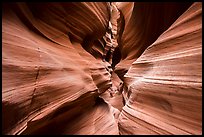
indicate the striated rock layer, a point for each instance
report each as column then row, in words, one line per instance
column 55, row 82
column 45, row 74
column 164, row 85
column 144, row 22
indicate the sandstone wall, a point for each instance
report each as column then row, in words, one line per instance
column 54, row 80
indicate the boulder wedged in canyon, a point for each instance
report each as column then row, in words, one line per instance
column 55, row 82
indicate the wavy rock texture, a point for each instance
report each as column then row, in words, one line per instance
column 144, row 22
column 164, row 84
column 54, row 80
column 44, row 74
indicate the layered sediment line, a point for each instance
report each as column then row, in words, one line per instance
column 55, row 82
column 164, row 84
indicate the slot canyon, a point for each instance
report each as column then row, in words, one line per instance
column 56, row 79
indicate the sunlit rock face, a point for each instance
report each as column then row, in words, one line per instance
column 55, row 82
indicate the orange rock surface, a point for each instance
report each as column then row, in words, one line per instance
column 55, row 82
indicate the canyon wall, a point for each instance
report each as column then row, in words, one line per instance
column 55, row 82
column 46, row 72
column 164, row 85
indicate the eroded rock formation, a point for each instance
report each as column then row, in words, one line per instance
column 164, row 84
column 55, row 82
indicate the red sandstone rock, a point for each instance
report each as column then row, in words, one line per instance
column 144, row 22
column 41, row 73
column 55, row 82
column 164, row 83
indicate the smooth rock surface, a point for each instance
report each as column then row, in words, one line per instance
column 42, row 74
column 165, row 83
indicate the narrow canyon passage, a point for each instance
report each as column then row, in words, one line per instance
column 101, row 68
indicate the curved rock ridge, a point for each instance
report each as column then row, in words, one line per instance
column 164, row 84
column 55, row 82
column 40, row 73
column 144, row 22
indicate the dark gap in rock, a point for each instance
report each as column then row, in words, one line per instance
column 107, row 56
column 123, row 100
column 116, row 57
column 99, row 101
column 117, row 53
column 86, row 44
